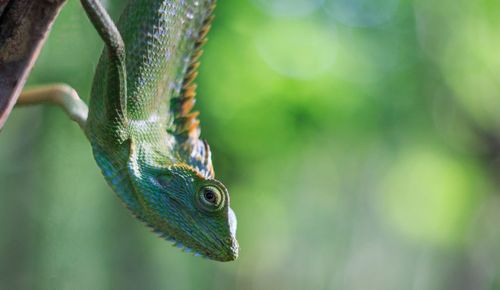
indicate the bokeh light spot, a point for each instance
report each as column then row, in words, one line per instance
column 362, row 13
column 297, row 49
column 291, row 8
column 426, row 196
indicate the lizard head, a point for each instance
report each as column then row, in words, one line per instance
column 188, row 209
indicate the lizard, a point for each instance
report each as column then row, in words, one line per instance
column 144, row 135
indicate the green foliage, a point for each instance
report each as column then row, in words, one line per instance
column 359, row 140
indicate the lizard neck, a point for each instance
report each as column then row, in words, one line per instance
column 118, row 162
column 115, row 170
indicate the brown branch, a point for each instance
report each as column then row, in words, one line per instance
column 3, row 4
column 24, row 25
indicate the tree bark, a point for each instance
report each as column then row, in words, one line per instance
column 24, row 26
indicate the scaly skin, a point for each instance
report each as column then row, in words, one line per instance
column 143, row 135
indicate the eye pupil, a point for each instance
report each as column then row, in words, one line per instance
column 210, row 196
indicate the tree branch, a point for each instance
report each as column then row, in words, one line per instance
column 24, row 26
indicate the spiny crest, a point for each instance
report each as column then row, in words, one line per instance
column 185, row 121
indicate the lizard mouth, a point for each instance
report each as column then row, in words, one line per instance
column 214, row 247
column 218, row 249
column 228, row 253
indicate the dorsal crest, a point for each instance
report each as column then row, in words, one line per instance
column 186, row 123
column 186, row 129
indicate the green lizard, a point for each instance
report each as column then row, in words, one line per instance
column 139, row 122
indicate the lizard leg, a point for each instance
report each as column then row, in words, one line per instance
column 60, row 95
column 116, row 99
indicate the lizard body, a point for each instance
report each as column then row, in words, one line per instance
column 143, row 134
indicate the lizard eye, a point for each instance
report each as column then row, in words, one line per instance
column 210, row 198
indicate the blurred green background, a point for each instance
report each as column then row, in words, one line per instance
column 360, row 140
